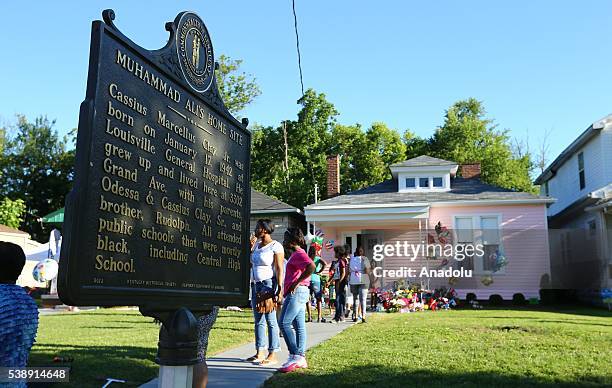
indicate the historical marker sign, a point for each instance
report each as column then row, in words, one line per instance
column 159, row 214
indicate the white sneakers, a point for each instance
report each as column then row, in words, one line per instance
column 293, row 362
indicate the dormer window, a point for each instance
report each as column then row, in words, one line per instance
column 424, row 174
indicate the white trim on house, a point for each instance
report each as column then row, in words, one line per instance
column 298, row 211
column 470, row 202
column 485, row 202
column 367, row 213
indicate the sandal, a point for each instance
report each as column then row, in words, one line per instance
column 255, row 358
column 266, row 361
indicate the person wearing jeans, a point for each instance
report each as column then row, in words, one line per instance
column 296, row 294
column 267, row 267
column 359, row 281
column 340, row 277
column 263, row 320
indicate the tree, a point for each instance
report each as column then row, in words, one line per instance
column 308, row 140
column 11, row 212
column 365, row 155
column 415, row 145
column 37, row 168
column 467, row 136
column 237, row 89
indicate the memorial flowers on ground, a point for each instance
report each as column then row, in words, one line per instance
column 413, row 299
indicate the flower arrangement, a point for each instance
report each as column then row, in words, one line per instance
column 413, row 299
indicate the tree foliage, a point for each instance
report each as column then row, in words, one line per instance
column 315, row 134
column 238, row 89
column 36, row 167
column 467, row 136
column 11, row 212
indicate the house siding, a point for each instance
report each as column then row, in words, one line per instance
column 524, row 237
column 565, row 186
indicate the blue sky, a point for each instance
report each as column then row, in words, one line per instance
column 536, row 65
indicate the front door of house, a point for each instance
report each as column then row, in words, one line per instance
column 368, row 242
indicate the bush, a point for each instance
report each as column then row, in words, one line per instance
column 518, row 299
column 496, row 300
column 470, row 297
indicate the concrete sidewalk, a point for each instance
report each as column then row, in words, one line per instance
column 228, row 369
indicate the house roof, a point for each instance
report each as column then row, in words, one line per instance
column 262, row 203
column 461, row 190
column 7, row 229
column 423, row 161
column 567, row 153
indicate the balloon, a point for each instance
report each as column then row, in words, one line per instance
column 309, row 236
column 45, row 270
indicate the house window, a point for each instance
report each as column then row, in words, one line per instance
column 424, row 183
column 410, row 183
column 465, row 236
column 437, row 181
column 581, row 170
column 482, row 232
column 490, row 241
column 546, row 190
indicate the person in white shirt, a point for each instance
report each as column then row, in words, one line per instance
column 359, row 281
column 267, row 270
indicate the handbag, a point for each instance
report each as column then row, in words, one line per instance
column 265, row 301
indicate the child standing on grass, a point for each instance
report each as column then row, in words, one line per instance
column 316, row 289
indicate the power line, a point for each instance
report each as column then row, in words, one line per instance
column 297, row 41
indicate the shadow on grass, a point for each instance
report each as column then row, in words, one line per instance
column 387, row 376
column 569, row 309
column 92, row 364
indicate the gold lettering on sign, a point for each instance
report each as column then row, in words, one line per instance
column 114, row 265
column 216, row 123
column 180, row 130
column 122, row 209
column 208, row 260
column 114, row 226
column 168, row 254
column 156, row 235
column 130, row 102
column 126, row 136
column 152, row 79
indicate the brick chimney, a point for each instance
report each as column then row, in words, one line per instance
column 333, row 175
column 470, row 171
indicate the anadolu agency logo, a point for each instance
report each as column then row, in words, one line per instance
column 195, row 52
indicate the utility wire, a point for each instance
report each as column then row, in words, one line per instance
column 297, row 41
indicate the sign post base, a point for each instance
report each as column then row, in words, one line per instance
column 175, row 376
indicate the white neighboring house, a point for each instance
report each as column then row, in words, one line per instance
column 29, row 246
column 580, row 221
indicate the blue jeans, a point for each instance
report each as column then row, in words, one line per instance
column 340, row 301
column 293, row 322
column 261, row 319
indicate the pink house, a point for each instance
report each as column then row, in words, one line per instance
column 394, row 221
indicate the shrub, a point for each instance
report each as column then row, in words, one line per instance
column 518, row 299
column 496, row 300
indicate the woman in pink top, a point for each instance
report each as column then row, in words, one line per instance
column 296, row 294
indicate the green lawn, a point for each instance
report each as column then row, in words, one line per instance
column 466, row 348
column 120, row 344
